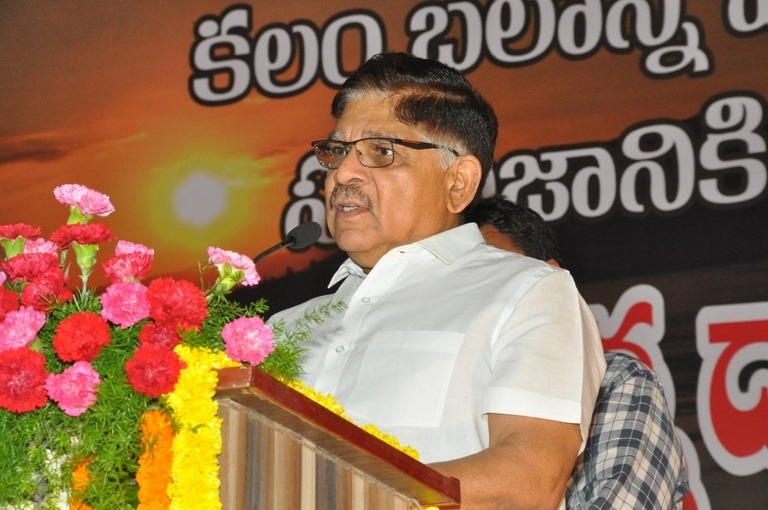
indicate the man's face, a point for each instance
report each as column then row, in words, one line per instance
column 372, row 210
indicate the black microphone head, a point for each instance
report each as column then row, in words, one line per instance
column 303, row 235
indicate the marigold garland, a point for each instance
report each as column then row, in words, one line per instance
column 197, row 444
column 329, row 402
column 80, row 480
column 155, row 461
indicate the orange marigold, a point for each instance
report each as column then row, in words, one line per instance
column 155, row 460
column 80, row 480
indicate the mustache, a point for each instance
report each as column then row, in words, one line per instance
column 349, row 191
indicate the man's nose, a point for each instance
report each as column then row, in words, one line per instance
column 350, row 169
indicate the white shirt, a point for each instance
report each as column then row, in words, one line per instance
column 445, row 330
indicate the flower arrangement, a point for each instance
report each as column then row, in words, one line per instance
column 106, row 398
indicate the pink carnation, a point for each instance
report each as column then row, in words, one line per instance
column 125, row 303
column 75, row 388
column 131, row 262
column 20, row 328
column 128, row 248
column 89, row 202
column 248, row 339
column 228, row 261
column 41, row 245
column 3, row 277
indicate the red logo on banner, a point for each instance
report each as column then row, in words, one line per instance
column 636, row 327
column 732, row 393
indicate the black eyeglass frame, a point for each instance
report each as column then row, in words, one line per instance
column 411, row 144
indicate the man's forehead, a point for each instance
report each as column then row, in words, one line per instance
column 367, row 117
column 365, row 133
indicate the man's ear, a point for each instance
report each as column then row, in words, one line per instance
column 463, row 180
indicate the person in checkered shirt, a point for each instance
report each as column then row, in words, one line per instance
column 633, row 457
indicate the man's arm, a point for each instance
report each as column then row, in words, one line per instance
column 527, row 465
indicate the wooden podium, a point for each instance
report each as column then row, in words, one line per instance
column 283, row 451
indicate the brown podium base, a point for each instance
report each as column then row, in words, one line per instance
column 283, row 451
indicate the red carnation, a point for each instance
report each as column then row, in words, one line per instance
column 92, row 233
column 81, row 336
column 177, row 304
column 9, row 302
column 46, row 290
column 26, row 266
column 153, row 370
column 19, row 230
column 163, row 336
column 22, row 380
column 125, row 267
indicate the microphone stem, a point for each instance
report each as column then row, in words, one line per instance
column 272, row 249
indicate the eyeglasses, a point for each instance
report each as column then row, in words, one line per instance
column 371, row 152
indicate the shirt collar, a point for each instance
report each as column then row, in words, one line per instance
column 346, row 269
column 446, row 246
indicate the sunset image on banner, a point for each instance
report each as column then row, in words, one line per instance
column 107, row 105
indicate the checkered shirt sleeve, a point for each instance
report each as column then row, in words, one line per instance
column 633, row 458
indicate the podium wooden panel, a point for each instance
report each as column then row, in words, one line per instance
column 283, row 451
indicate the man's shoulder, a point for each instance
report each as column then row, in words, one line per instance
column 503, row 262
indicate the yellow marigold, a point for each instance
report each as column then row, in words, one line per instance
column 155, row 461
column 329, row 402
column 324, row 399
column 391, row 440
column 197, row 444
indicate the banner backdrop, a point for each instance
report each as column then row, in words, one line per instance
column 637, row 128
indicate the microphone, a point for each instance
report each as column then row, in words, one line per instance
column 301, row 236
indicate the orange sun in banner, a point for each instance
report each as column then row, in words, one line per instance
column 204, row 197
column 201, row 199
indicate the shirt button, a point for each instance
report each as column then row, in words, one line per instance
column 339, row 348
column 366, row 299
